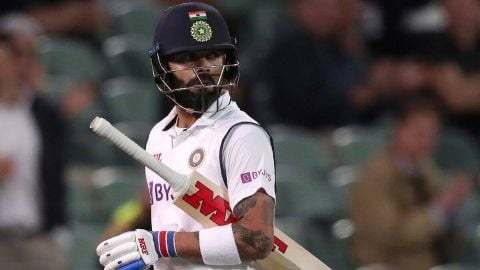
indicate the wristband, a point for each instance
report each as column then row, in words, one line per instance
column 218, row 247
column 165, row 243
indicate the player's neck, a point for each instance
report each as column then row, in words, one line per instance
column 185, row 119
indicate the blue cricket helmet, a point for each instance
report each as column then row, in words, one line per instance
column 190, row 27
column 175, row 31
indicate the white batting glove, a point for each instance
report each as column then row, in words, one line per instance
column 136, row 250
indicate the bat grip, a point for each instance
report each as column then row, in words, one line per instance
column 177, row 181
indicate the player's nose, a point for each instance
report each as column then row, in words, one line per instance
column 203, row 69
column 204, row 63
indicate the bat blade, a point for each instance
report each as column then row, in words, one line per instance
column 208, row 202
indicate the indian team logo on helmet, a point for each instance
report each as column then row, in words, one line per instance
column 196, row 158
column 201, row 31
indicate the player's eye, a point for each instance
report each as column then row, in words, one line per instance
column 183, row 58
column 190, row 57
column 213, row 55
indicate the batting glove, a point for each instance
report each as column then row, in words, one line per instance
column 136, row 250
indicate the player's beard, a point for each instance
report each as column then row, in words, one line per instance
column 199, row 99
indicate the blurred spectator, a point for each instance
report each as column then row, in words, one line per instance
column 80, row 18
column 438, row 50
column 460, row 42
column 33, row 215
column 389, row 80
column 311, row 67
column 25, row 34
column 401, row 208
column 392, row 32
column 456, row 73
column 391, row 25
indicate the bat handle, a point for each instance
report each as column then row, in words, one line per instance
column 102, row 127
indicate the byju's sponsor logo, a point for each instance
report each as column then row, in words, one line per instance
column 246, row 177
column 160, row 192
column 250, row 176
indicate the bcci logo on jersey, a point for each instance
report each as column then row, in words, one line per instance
column 196, row 158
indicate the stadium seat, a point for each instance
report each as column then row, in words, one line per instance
column 135, row 130
column 457, row 151
column 86, row 237
column 300, row 149
column 68, row 57
column 303, row 163
column 104, row 152
column 341, row 180
column 87, row 218
column 316, row 237
column 305, row 232
column 57, row 86
column 86, row 147
column 134, row 17
column 306, row 196
column 127, row 55
column 130, row 99
column 354, row 144
column 118, row 184
column 468, row 218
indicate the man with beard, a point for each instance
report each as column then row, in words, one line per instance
column 194, row 63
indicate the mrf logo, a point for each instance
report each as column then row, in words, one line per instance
column 220, row 211
column 216, row 207
column 143, row 246
column 279, row 245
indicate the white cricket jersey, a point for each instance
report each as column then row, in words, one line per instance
column 247, row 158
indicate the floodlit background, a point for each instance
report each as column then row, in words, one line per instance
column 335, row 82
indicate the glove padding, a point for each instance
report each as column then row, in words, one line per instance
column 127, row 248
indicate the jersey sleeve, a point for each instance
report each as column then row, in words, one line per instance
column 249, row 163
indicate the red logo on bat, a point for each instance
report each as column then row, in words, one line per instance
column 222, row 214
column 217, row 207
column 143, row 245
column 280, row 245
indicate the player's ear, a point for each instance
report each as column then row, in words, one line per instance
column 168, row 65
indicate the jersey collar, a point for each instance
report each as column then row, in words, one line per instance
column 209, row 117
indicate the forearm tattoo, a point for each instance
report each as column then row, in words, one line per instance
column 255, row 239
column 245, row 210
column 242, row 207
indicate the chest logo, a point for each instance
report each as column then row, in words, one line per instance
column 196, row 158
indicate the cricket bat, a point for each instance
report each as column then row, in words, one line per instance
column 208, row 202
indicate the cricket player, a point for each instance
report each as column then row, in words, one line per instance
column 194, row 63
